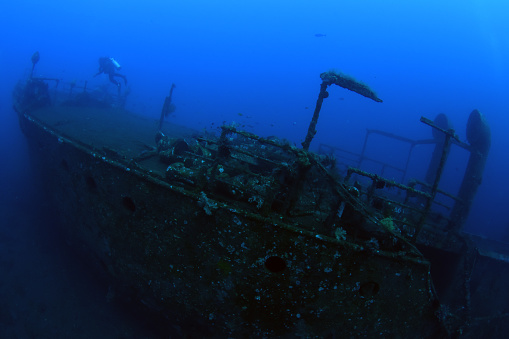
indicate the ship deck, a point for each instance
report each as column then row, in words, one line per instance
column 112, row 131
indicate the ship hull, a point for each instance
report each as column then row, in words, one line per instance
column 225, row 272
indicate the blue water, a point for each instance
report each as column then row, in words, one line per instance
column 257, row 63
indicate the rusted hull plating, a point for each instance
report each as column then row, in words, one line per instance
column 227, row 273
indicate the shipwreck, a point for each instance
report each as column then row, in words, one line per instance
column 237, row 235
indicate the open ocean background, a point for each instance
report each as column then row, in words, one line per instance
column 256, row 63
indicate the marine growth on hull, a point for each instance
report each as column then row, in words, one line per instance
column 329, row 207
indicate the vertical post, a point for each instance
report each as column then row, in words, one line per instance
column 223, row 149
column 479, row 138
column 312, row 125
column 71, row 86
column 441, row 121
column 35, row 60
column 412, row 145
column 166, row 107
column 434, row 188
column 361, row 157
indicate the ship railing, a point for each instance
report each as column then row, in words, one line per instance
column 64, row 92
column 426, row 196
column 379, row 183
